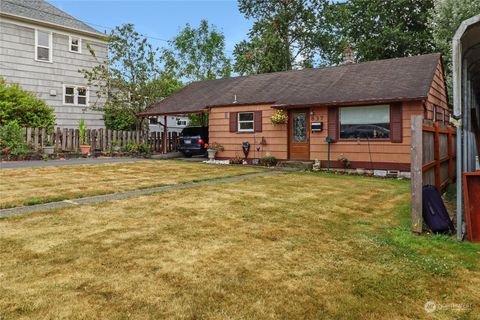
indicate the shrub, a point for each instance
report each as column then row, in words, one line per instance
column 137, row 148
column 12, row 139
column 23, row 107
column 268, row 161
column 345, row 162
column 119, row 118
column 236, row 160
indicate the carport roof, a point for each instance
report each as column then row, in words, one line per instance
column 397, row 79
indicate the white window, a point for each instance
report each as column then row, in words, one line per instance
column 365, row 122
column 43, row 45
column 181, row 122
column 75, row 95
column 245, row 122
column 75, row 44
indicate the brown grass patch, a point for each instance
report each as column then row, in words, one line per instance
column 31, row 186
column 279, row 247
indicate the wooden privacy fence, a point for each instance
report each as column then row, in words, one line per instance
column 100, row 139
column 433, row 157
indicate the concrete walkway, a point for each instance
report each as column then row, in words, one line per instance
column 4, row 213
column 70, row 162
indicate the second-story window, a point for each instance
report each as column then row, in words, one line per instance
column 75, row 44
column 43, row 45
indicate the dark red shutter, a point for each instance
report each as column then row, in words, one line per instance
column 333, row 126
column 258, row 121
column 396, row 132
column 233, row 121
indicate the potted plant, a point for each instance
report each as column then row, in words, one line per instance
column 345, row 162
column 82, row 128
column 279, row 117
column 212, row 150
column 48, row 147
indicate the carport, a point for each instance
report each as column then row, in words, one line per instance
column 466, row 95
column 170, row 107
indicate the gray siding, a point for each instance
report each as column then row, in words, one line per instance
column 18, row 65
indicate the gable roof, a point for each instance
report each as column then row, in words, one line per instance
column 43, row 11
column 397, row 79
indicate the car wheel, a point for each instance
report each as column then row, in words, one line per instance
column 187, row 155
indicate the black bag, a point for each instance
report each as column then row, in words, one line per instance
column 435, row 214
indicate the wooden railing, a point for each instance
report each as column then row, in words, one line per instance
column 433, row 157
column 65, row 139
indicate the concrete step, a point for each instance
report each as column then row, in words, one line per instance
column 299, row 165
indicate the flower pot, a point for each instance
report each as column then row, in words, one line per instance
column 211, row 154
column 85, row 148
column 48, row 149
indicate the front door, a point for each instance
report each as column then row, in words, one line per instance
column 299, row 135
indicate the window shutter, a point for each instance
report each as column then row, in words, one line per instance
column 258, row 121
column 396, row 132
column 333, row 125
column 233, row 121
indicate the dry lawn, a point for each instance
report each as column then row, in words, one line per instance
column 290, row 246
column 31, row 186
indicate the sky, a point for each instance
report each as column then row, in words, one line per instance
column 160, row 20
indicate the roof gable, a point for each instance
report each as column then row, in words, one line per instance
column 43, row 11
column 383, row 80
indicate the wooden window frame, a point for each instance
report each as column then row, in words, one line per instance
column 246, row 121
column 79, row 45
column 50, row 46
column 75, row 95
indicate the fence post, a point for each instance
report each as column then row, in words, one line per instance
column 436, row 143
column 29, row 135
column 416, row 153
column 450, row 155
column 35, row 138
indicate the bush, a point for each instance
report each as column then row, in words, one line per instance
column 12, row 139
column 23, row 107
column 119, row 118
column 268, row 161
column 137, row 148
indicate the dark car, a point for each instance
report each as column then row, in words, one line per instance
column 192, row 141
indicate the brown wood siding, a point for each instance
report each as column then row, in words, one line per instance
column 437, row 100
column 380, row 151
column 274, row 136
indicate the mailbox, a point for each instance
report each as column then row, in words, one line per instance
column 317, row 126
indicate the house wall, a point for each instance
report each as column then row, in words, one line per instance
column 384, row 154
column 18, row 65
column 437, row 100
column 219, row 131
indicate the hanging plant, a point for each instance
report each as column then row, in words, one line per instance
column 279, row 117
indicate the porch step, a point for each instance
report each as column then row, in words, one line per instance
column 299, row 165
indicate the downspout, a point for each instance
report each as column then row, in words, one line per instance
column 457, row 112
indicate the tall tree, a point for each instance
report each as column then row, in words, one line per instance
column 130, row 79
column 445, row 20
column 381, row 29
column 199, row 53
column 286, row 34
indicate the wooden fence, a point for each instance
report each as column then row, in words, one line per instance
column 433, row 157
column 99, row 139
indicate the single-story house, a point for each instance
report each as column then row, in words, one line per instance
column 365, row 108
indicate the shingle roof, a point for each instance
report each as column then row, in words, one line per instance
column 44, row 11
column 383, row 80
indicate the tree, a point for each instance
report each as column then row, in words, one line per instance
column 129, row 79
column 381, row 29
column 24, row 108
column 198, row 53
column 286, row 34
column 445, row 20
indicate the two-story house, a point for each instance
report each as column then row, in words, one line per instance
column 42, row 49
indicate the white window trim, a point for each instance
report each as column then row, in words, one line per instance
column 50, row 48
column 75, row 95
column 252, row 121
column 70, row 38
